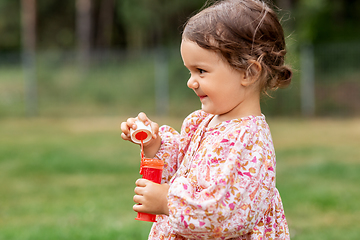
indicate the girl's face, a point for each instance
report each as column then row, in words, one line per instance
column 223, row 91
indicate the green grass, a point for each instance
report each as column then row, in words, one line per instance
column 318, row 166
column 67, row 179
column 73, row 178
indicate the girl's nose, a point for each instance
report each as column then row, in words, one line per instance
column 192, row 83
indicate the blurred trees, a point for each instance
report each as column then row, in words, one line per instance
column 10, row 25
column 138, row 24
column 132, row 24
column 323, row 21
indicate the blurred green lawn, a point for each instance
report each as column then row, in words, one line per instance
column 73, row 178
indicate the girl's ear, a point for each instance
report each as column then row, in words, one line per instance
column 252, row 73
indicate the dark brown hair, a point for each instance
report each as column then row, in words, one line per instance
column 243, row 31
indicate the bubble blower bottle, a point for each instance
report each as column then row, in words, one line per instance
column 150, row 169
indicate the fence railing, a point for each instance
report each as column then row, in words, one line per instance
column 331, row 79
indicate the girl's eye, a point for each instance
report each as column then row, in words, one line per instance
column 201, row 71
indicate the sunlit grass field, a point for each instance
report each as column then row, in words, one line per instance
column 73, row 178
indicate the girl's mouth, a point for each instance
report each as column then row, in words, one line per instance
column 202, row 97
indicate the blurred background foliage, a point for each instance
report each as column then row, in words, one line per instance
column 143, row 24
column 105, row 57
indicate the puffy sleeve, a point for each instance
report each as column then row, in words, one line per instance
column 174, row 144
column 235, row 181
column 169, row 151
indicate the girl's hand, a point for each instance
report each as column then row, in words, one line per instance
column 130, row 124
column 150, row 147
column 151, row 197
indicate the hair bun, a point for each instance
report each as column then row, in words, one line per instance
column 281, row 77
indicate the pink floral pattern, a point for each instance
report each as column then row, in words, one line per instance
column 222, row 181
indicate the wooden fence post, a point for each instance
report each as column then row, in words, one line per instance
column 307, row 81
column 161, row 82
column 28, row 15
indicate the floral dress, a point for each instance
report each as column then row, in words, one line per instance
column 222, row 181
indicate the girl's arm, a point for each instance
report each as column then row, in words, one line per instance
column 174, row 145
column 152, row 196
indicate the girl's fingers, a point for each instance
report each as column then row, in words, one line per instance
column 138, row 208
column 126, row 126
column 154, row 126
column 138, row 199
column 142, row 117
column 155, row 129
column 141, row 182
column 131, row 123
column 125, row 136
